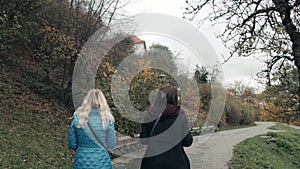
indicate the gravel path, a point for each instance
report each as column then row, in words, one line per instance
column 211, row 154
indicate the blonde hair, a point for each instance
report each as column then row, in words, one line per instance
column 94, row 99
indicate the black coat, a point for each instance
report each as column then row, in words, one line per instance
column 165, row 147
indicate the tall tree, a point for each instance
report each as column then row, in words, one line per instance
column 61, row 28
column 14, row 18
column 201, row 75
column 240, row 89
column 164, row 57
column 256, row 26
column 281, row 97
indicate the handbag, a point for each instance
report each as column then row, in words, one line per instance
column 94, row 134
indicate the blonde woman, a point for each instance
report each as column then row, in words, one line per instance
column 91, row 132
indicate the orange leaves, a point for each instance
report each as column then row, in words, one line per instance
column 55, row 44
column 147, row 72
column 265, row 114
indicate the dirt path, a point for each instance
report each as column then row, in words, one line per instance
column 211, row 154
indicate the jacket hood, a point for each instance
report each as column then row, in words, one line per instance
column 169, row 110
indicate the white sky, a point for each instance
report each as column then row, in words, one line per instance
column 236, row 69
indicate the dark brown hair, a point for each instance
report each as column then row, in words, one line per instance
column 170, row 93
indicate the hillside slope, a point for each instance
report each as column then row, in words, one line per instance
column 34, row 127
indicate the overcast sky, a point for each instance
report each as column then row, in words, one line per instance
column 236, row 69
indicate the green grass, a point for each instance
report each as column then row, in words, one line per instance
column 33, row 129
column 31, row 139
column 280, row 152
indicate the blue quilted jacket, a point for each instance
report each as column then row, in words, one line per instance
column 89, row 153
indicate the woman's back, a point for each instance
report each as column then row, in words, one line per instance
column 166, row 131
column 89, row 152
column 165, row 149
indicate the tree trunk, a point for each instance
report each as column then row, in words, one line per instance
column 296, row 54
column 284, row 10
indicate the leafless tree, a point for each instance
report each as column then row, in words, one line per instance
column 256, row 27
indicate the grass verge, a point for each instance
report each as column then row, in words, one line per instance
column 276, row 150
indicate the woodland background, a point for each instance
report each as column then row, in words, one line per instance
column 40, row 42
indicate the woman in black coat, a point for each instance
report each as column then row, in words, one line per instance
column 166, row 131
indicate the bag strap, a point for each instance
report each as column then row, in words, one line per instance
column 94, row 134
column 155, row 124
